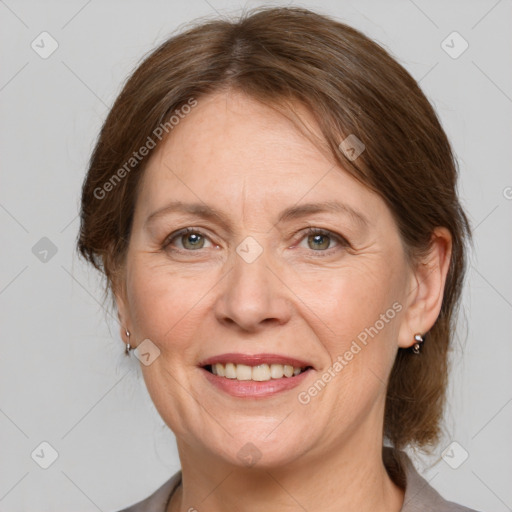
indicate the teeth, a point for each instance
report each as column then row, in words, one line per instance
column 230, row 370
column 260, row 373
column 288, row 370
column 276, row 371
column 243, row 372
column 221, row 372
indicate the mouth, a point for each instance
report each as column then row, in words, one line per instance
column 257, row 375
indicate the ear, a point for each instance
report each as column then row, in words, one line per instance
column 426, row 288
column 122, row 310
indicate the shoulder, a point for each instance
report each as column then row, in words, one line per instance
column 419, row 496
column 157, row 502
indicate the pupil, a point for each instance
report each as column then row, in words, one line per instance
column 320, row 241
column 193, row 240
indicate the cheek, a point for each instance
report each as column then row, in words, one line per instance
column 355, row 314
column 165, row 305
column 166, row 308
column 346, row 301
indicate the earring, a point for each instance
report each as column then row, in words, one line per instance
column 418, row 338
column 128, row 346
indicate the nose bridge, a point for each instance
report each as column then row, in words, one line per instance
column 251, row 294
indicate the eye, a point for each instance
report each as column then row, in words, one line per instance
column 188, row 239
column 321, row 240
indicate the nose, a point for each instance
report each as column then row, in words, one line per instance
column 252, row 297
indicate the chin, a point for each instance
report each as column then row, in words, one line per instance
column 254, row 450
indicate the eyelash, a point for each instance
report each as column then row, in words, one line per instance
column 308, row 232
column 180, row 233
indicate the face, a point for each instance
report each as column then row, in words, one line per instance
column 253, row 257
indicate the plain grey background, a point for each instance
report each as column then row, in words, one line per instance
column 63, row 377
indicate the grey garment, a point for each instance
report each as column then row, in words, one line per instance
column 419, row 495
column 158, row 501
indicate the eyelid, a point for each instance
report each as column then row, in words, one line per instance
column 176, row 234
column 311, row 230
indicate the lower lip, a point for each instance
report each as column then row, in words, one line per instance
column 255, row 389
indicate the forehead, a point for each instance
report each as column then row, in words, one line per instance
column 236, row 152
column 238, row 133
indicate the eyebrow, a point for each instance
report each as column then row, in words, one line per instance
column 299, row 211
column 291, row 213
column 197, row 209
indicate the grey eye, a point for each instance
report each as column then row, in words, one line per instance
column 319, row 241
column 192, row 241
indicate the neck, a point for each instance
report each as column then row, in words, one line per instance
column 352, row 478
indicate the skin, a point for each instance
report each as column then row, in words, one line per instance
column 305, row 297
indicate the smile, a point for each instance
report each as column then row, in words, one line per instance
column 254, row 375
column 260, row 373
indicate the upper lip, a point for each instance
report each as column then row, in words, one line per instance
column 255, row 360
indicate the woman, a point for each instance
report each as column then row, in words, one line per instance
column 273, row 203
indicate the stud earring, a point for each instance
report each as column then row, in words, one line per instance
column 418, row 338
column 128, row 346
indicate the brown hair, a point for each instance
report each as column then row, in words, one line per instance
column 351, row 85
